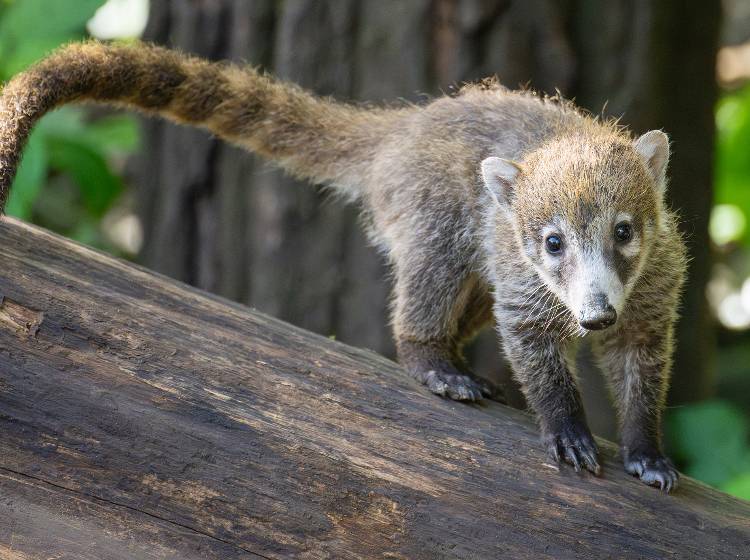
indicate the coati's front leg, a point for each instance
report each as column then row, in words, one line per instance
column 437, row 305
column 539, row 364
column 637, row 365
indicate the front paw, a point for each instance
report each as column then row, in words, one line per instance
column 571, row 441
column 651, row 467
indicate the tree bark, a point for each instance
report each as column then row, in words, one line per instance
column 223, row 221
column 141, row 418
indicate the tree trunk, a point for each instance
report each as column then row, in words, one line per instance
column 654, row 63
column 222, row 220
column 141, row 418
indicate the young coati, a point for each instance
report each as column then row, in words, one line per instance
column 491, row 202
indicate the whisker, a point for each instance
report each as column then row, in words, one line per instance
column 533, row 293
column 539, row 303
column 553, row 319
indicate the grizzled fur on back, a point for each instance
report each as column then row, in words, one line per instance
column 492, row 204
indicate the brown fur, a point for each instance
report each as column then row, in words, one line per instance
column 310, row 137
column 459, row 253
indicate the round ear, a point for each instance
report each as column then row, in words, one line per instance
column 499, row 177
column 653, row 147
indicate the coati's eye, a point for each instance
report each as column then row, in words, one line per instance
column 623, row 232
column 553, row 243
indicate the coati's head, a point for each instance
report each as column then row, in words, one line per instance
column 586, row 210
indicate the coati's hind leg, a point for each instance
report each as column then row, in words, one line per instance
column 477, row 315
column 434, row 301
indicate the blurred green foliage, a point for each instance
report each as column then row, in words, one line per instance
column 66, row 180
column 31, row 28
column 732, row 171
column 711, row 440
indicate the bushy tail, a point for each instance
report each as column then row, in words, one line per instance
column 310, row 137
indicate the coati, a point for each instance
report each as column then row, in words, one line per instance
column 489, row 203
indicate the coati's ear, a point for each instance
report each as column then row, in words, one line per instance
column 653, row 147
column 499, row 177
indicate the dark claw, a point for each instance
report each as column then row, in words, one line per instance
column 652, row 468
column 573, row 442
column 571, row 455
column 459, row 391
column 554, row 451
column 589, row 458
column 489, row 392
column 435, row 384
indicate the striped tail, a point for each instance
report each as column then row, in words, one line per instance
column 311, row 137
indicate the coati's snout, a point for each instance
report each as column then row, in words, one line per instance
column 590, row 269
column 598, row 314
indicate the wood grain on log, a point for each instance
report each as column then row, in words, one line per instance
column 140, row 418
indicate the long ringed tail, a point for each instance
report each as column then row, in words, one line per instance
column 311, row 137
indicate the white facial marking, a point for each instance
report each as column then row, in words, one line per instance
column 623, row 217
column 632, row 248
column 593, row 282
column 594, row 277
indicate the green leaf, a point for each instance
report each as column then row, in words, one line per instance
column 39, row 18
column 31, row 175
column 29, row 29
column 738, row 486
column 99, row 186
column 22, row 55
column 66, row 121
column 113, row 134
column 732, row 169
column 711, row 440
column 79, row 149
column 116, row 133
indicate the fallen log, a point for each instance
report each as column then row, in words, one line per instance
column 141, row 418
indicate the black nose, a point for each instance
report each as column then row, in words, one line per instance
column 599, row 319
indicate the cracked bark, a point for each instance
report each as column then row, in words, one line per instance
column 141, row 418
